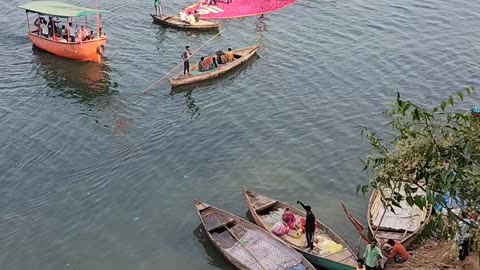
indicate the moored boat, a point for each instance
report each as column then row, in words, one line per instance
column 267, row 211
column 244, row 244
column 241, row 56
column 66, row 44
column 402, row 225
column 175, row 22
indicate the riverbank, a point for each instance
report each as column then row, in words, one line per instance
column 436, row 255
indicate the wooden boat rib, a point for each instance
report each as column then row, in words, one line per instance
column 241, row 56
column 403, row 225
column 262, row 207
column 246, row 245
column 175, row 22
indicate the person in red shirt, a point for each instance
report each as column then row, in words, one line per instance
column 399, row 253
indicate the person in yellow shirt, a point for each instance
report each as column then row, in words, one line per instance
column 360, row 264
column 229, row 55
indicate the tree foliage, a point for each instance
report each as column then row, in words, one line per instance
column 433, row 149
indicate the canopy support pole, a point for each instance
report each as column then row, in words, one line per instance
column 28, row 22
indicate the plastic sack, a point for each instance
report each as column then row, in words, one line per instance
column 332, row 247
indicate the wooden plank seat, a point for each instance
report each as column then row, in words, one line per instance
column 263, row 204
column 222, row 224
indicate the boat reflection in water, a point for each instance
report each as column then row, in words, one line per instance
column 73, row 79
column 88, row 83
column 212, row 255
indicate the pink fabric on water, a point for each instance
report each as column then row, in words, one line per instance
column 239, row 8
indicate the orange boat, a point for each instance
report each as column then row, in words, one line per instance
column 65, row 41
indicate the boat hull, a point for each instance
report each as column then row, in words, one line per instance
column 314, row 259
column 82, row 51
column 199, row 206
column 175, row 22
column 406, row 238
column 245, row 55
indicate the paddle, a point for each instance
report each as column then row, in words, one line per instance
column 241, row 244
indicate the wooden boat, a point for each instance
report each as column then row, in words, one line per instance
column 88, row 50
column 241, row 56
column 403, row 225
column 175, row 22
column 246, row 245
column 265, row 210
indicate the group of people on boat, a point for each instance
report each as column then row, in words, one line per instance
column 207, row 63
column 212, row 62
column 189, row 17
column 64, row 33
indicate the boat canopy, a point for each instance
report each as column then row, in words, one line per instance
column 59, row 9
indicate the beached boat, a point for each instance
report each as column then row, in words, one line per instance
column 267, row 211
column 246, row 245
column 175, row 22
column 241, row 56
column 87, row 50
column 402, row 225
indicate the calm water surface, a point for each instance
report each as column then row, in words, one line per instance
column 94, row 177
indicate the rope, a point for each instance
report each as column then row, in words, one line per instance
column 177, row 66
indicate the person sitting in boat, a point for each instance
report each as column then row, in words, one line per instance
column 288, row 215
column 191, row 19
column 44, row 29
column 203, row 65
column 38, row 24
column 221, row 57
column 62, row 32
column 82, row 34
column 229, row 55
column 196, row 15
column 91, row 35
column 182, row 15
column 213, row 64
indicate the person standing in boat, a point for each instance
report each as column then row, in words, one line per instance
column 309, row 225
column 158, row 7
column 186, row 60
column 371, row 255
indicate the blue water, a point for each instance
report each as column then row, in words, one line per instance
column 94, row 176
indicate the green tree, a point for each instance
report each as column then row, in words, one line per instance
column 435, row 149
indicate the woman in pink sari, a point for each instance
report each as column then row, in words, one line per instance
column 289, row 218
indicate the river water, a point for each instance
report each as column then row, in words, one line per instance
column 94, row 176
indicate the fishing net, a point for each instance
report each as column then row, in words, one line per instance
column 271, row 254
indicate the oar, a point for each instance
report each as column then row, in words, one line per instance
column 240, row 242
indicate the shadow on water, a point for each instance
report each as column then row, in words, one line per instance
column 227, row 78
column 84, row 81
column 261, row 25
column 190, row 107
column 213, row 256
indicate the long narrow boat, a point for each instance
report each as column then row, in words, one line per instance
column 246, row 245
column 402, row 225
column 267, row 211
column 241, row 56
column 88, row 50
column 175, row 22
